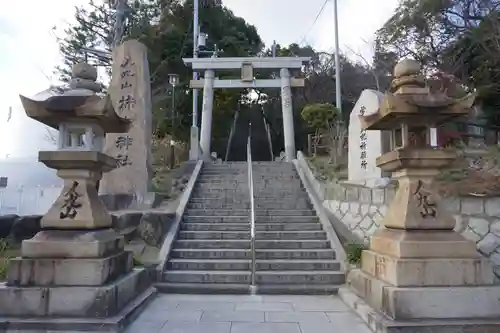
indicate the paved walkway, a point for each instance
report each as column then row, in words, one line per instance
column 247, row 314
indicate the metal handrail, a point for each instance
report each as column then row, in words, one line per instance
column 252, row 203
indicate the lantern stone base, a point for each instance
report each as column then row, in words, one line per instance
column 425, row 277
column 411, row 303
column 381, row 323
column 71, row 274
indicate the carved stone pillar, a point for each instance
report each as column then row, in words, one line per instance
column 206, row 114
column 286, row 104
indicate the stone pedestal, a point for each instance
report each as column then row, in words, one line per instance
column 79, row 269
column 418, row 268
column 71, row 274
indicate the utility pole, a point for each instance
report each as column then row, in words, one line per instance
column 194, row 122
column 338, row 86
column 122, row 12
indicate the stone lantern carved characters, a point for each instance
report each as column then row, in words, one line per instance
column 425, row 201
column 71, row 205
column 127, row 101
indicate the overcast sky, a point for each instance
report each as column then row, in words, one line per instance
column 29, row 52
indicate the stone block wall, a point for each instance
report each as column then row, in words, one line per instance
column 362, row 209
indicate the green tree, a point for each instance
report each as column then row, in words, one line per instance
column 460, row 37
column 320, row 115
column 165, row 27
column 326, row 120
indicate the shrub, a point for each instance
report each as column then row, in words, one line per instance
column 353, row 252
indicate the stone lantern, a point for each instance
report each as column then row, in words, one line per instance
column 419, row 275
column 76, row 266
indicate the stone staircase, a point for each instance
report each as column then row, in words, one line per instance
column 212, row 252
column 293, row 253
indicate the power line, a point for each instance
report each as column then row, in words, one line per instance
column 315, row 21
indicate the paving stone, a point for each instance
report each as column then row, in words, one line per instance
column 172, row 315
column 205, row 305
column 264, row 307
column 333, row 328
column 327, row 305
column 177, row 327
column 233, row 316
column 263, row 328
column 297, row 317
column 141, row 326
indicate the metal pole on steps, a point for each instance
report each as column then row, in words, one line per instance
column 253, row 287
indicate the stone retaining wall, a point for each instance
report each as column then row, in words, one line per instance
column 361, row 210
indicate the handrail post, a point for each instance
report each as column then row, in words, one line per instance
column 252, row 204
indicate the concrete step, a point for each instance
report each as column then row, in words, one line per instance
column 245, row 212
column 236, row 277
column 245, row 289
column 285, row 212
column 216, row 212
column 231, row 188
column 276, row 205
column 217, row 205
column 245, row 198
column 215, row 227
column 299, row 277
column 292, row 244
column 214, row 235
column 269, row 227
column 294, row 289
column 307, row 226
column 257, row 178
column 286, row 219
column 183, row 253
column 209, row 264
column 304, row 254
column 297, row 265
column 202, row 288
column 191, row 217
column 243, row 219
column 291, row 235
column 230, row 182
column 212, row 244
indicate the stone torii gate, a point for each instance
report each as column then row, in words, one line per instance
column 247, row 80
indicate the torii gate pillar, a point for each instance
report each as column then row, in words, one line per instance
column 206, row 114
column 286, row 106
